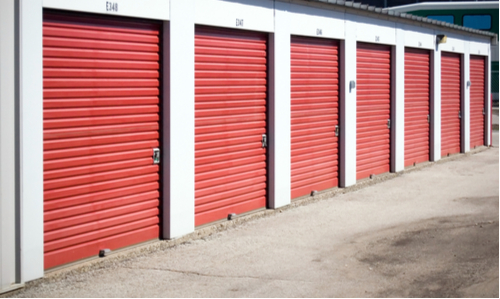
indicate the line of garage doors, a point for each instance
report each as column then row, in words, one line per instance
column 315, row 77
column 315, row 106
column 315, row 92
column 451, row 102
column 315, row 103
column 101, row 131
column 102, row 125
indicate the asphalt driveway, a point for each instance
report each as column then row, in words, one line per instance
column 431, row 232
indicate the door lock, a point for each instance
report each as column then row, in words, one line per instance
column 264, row 140
column 388, row 124
column 156, row 156
column 337, row 131
column 459, row 114
column 484, row 113
column 428, row 118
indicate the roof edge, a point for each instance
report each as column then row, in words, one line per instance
column 444, row 5
column 378, row 12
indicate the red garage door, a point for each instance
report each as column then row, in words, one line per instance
column 100, row 114
column 477, row 112
column 450, row 103
column 315, row 103
column 230, row 119
column 417, row 103
column 373, row 109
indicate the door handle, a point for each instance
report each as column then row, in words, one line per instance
column 264, row 140
column 156, row 156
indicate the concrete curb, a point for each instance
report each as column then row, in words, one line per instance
column 144, row 249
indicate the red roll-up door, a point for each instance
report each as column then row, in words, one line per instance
column 373, row 109
column 230, row 119
column 100, row 124
column 450, row 103
column 314, row 105
column 417, row 105
column 477, row 112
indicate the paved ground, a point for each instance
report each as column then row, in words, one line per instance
column 431, row 232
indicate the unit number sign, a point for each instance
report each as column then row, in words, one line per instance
column 111, row 6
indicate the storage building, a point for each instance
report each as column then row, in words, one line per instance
column 127, row 121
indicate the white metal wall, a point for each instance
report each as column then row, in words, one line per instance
column 148, row 9
column 178, row 211
column 31, row 138
column 7, row 148
column 279, row 112
column 280, row 20
column 398, row 103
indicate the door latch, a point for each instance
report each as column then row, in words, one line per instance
column 337, row 131
column 264, row 140
column 459, row 114
column 388, row 124
column 484, row 113
column 428, row 118
column 156, row 156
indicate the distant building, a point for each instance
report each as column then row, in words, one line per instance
column 473, row 14
column 390, row 3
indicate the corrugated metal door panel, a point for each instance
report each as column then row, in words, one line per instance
column 417, row 106
column 230, row 119
column 314, row 106
column 450, row 103
column 477, row 71
column 373, row 109
column 101, row 123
